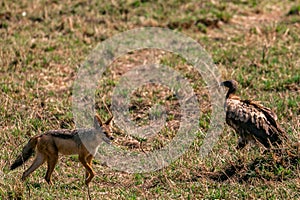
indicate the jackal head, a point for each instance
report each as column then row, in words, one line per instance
column 105, row 128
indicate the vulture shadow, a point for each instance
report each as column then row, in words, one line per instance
column 275, row 165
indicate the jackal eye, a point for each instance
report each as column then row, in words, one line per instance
column 108, row 135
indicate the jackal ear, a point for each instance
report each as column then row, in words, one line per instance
column 97, row 121
column 109, row 120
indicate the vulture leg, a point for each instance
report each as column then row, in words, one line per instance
column 266, row 143
column 242, row 143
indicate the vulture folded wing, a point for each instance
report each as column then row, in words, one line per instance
column 269, row 122
column 271, row 117
column 248, row 118
column 267, row 111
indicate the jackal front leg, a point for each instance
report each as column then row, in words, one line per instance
column 88, row 168
column 89, row 161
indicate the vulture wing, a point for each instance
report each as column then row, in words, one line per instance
column 249, row 118
column 271, row 117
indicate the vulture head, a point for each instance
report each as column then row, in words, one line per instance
column 231, row 85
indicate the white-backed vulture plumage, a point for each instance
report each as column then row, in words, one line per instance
column 251, row 120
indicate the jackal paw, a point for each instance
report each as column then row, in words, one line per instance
column 87, row 181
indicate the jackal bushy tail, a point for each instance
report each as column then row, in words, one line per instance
column 26, row 153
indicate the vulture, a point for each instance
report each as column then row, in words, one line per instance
column 251, row 120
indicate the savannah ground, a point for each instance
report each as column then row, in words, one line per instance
column 43, row 44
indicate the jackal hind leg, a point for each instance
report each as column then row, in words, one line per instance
column 88, row 168
column 38, row 161
column 51, row 162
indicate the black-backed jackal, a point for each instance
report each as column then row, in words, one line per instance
column 66, row 142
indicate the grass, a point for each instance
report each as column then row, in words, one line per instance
column 43, row 44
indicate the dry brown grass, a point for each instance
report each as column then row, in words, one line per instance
column 44, row 43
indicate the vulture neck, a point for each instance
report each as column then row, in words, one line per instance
column 231, row 92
